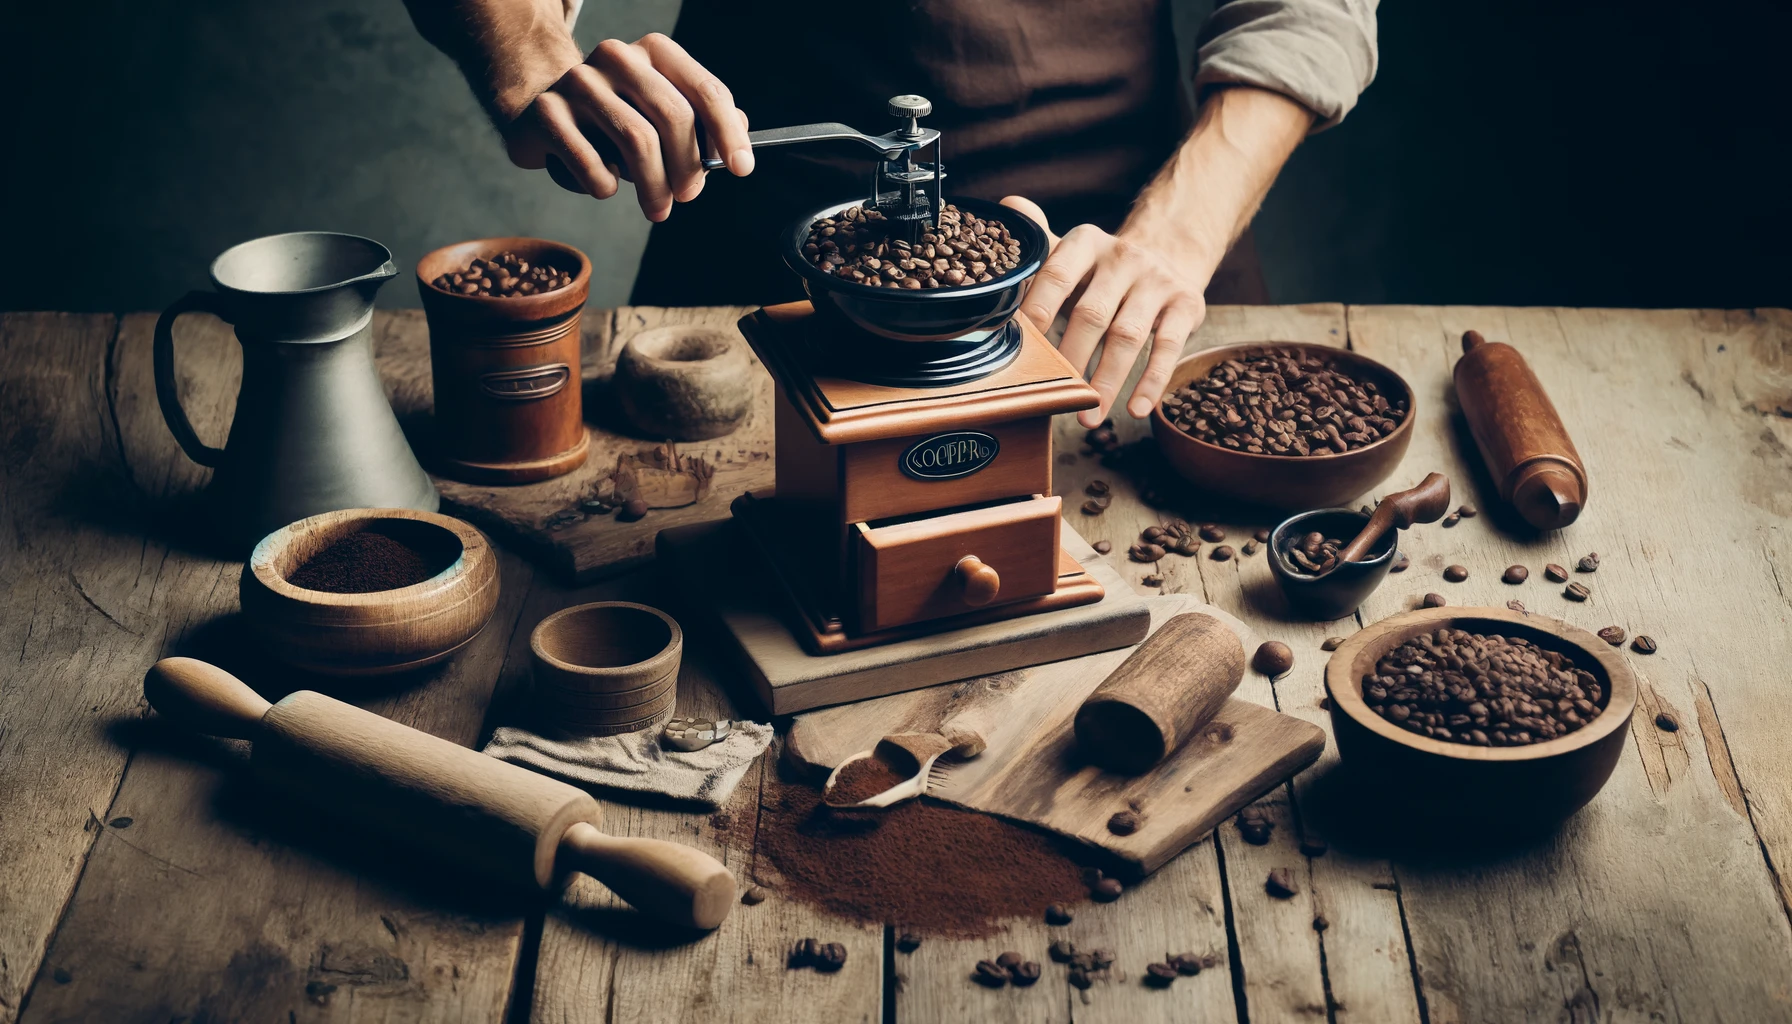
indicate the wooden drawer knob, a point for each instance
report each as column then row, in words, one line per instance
column 981, row 583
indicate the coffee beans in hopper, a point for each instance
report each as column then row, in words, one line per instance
column 856, row 246
column 1483, row 690
column 1283, row 401
column 504, row 276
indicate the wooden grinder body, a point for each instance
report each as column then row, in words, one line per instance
column 1163, row 693
column 1526, row 448
column 494, row 817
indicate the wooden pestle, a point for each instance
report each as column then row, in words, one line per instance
column 502, row 820
column 1526, row 448
column 1425, row 503
column 1163, row 693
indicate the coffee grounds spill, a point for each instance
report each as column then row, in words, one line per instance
column 364, row 562
column 864, row 778
column 921, row 865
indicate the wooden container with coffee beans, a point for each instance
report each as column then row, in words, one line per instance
column 504, row 355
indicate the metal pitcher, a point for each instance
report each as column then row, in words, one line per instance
column 313, row 431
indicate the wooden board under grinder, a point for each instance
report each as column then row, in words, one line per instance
column 1031, row 772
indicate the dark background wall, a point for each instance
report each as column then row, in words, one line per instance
column 1511, row 151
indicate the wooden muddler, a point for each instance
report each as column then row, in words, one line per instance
column 506, row 822
column 1527, row 450
column 1163, row 693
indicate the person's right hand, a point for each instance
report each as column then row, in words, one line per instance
column 640, row 105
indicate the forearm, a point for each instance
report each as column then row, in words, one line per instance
column 509, row 50
column 1207, row 192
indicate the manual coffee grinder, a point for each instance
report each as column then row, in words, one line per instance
column 914, row 429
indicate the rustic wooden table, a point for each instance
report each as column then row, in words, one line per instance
column 140, row 880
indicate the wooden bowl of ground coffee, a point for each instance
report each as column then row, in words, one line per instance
column 1479, row 718
column 1342, row 423
column 364, row 592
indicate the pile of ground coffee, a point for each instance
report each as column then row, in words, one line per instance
column 1484, row 690
column 863, row 778
column 367, row 561
column 855, row 246
column 505, row 276
column 1283, row 401
column 924, row 866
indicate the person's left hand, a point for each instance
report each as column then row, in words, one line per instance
column 1131, row 293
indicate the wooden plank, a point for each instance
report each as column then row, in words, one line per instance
column 1358, row 967
column 200, row 900
column 1655, row 901
column 597, row 963
column 545, row 519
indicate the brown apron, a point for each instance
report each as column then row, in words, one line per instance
column 1072, row 104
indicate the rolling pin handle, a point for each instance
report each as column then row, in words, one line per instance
column 204, row 698
column 1472, row 340
column 675, row 883
column 981, row 582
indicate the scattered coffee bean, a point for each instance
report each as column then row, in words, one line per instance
column 1481, row 690
column 1613, row 635
column 1400, row 563
column 1144, row 552
column 1665, row 722
column 1255, row 826
column 1061, row 951
column 1331, row 643
column 1107, row 890
column 1450, row 520
column 1093, row 507
column 831, row 958
column 1468, row 511
column 632, row 509
column 1222, row 553
column 804, row 953
column 1273, row 658
column 1091, row 875
column 1102, row 547
column 1515, row 574
column 1313, row 846
column 1123, row 823
column 1588, row 563
column 1320, row 923
column 1283, row 401
column 503, row 277
column 1248, row 548
column 1159, row 975
column 1055, row 914
column 1555, row 573
column 990, row 974
column 1432, row 601
column 1187, row 964
column 1153, row 580
column 1516, row 605
column 1009, row 960
column 1261, row 536
column 122, row 821
column 1280, row 883
column 855, row 245
column 1024, row 973
column 1097, row 489
column 1455, row 573
column 1577, row 592
column 1079, row 978
column 1212, row 533
column 1643, row 644
column 753, row 896
column 1312, row 554
column 908, row 942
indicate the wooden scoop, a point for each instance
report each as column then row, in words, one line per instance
column 1425, row 503
column 910, row 754
column 504, row 821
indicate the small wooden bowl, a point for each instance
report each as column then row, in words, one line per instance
column 684, row 382
column 376, row 633
column 605, row 668
column 1284, row 481
column 1481, row 787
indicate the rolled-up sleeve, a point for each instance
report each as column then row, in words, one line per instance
column 1319, row 53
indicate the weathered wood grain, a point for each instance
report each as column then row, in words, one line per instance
column 201, row 900
column 1655, row 901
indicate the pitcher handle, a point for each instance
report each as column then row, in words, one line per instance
column 166, row 395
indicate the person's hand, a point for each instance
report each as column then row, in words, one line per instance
column 1131, row 293
column 633, row 110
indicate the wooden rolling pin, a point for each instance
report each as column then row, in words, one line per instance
column 1527, row 450
column 506, row 822
column 1163, row 693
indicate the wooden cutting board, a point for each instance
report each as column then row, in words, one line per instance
column 1031, row 772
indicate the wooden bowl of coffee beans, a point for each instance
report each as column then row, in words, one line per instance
column 1284, row 425
column 369, row 591
column 1480, row 718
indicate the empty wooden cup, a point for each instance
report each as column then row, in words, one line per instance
column 605, row 668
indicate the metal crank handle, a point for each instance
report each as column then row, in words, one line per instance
column 890, row 145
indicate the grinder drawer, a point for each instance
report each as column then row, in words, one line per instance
column 926, row 567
